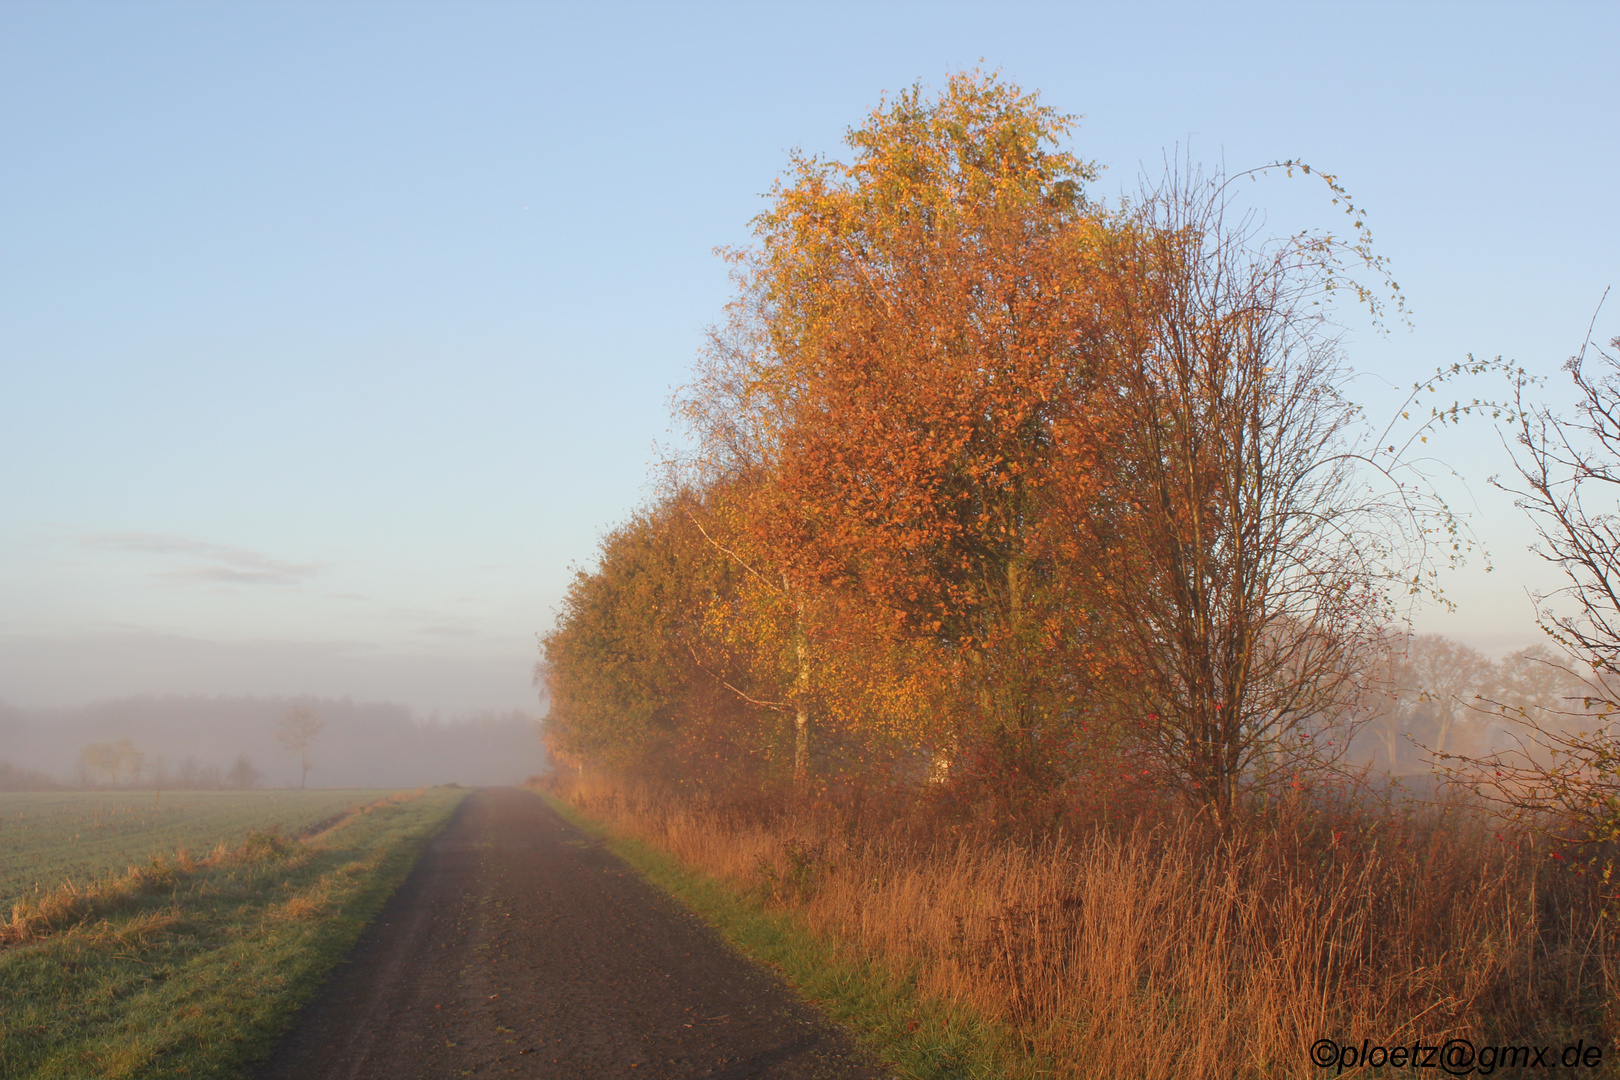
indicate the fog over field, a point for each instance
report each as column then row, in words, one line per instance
column 56, row 670
column 194, row 741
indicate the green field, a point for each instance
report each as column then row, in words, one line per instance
column 47, row 838
column 189, row 968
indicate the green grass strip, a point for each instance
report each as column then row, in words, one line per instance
column 915, row 1036
column 196, row 979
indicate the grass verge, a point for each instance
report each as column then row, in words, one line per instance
column 917, row 1037
column 190, row 969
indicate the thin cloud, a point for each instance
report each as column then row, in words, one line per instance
column 436, row 624
column 219, row 564
column 449, row 630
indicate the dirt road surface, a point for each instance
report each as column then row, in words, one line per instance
column 519, row 946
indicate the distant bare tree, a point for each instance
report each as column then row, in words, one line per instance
column 1385, row 703
column 130, row 761
column 98, row 761
column 297, row 732
column 191, row 774
column 111, row 760
column 1446, row 678
column 1536, row 681
column 242, row 774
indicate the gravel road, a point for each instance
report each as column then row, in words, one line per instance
column 519, row 946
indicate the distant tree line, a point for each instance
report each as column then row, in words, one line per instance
column 14, row 778
column 198, row 742
column 1429, row 699
column 119, row 764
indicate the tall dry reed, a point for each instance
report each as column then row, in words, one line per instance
column 1174, row 949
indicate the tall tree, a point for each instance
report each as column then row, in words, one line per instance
column 297, row 731
column 98, row 760
column 922, row 372
column 1248, row 548
column 1388, row 696
column 1447, row 677
column 113, row 760
column 840, row 669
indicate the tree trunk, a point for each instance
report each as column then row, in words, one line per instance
column 801, row 712
column 801, row 694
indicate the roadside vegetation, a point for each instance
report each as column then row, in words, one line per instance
column 189, row 961
column 1025, row 611
column 1149, row 946
column 918, row 1034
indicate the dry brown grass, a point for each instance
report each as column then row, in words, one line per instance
column 1172, row 949
column 310, row 904
column 133, row 932
column 71, row 904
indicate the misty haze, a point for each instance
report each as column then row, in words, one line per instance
column 192, row 742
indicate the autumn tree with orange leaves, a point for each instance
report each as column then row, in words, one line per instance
column 920, row 372
column 638, row 678
column 980, row 469
column 843, row 670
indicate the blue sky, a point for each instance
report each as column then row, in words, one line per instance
column 333, row 334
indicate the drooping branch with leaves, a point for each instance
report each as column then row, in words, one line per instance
column 1255, row 538
column 1563, row 764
